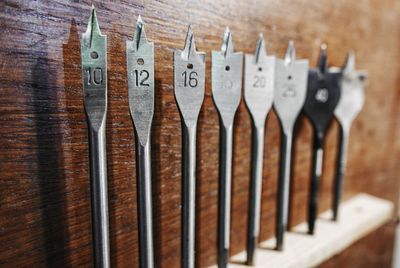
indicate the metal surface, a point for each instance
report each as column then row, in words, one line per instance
column 226, row 91
column 323, row 94
column 189, row 79
column 350, row 104
column 258, row 95
column 94, row 74
column 289, row 97
column 140, row 65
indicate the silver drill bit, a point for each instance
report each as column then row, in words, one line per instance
column 226, row 90
column 323, row 94
column 140, row 64
column 289, row 97
column 258, row 95
column 94, row 74
column 189, row 79
column 350, row 104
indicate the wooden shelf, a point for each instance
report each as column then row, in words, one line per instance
column 359, row 216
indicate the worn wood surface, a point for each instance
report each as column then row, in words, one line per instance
column 44, row 185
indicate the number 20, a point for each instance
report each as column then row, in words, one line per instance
column 259, row 81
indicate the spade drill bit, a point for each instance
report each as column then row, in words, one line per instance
column 350, row 104
column 323, row 93
column 140, row 63
column 289, row 97
column 189, row 80
column 258, row 95
column 94, row 74
column 226, row 90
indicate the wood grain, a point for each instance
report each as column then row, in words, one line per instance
column 44, row 185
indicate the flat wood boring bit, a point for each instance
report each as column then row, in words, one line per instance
column 189, row 80
column 289, row 97
column 227, row 67
column 94, row 74
column 350, row 104
column 323, row 94
column 259, row 78
column 140, row 65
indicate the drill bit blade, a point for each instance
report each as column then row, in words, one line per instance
column 259, row 82
column 226, row 92
column 92, row 30
column 290, row 88
column 94, row 72
column 140, row 65
column 226, row 81
column 140, row 62
column 189, row 79
column 352, row 95
column 94, row 76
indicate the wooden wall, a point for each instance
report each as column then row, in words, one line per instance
column 44, row 176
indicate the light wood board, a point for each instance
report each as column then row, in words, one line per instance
column 359, row 216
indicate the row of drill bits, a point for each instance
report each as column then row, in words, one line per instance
column 288, row 84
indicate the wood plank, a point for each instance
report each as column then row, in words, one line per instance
column 360, row 215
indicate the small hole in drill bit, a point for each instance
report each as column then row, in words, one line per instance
column 94, row 55
column 140, row 61
column 190, row 66
column 227, row 68
column 259, row 69
column 289, row 77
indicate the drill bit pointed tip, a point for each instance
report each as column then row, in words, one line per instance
column 190, row 46
column 227, row 45
column 139, row 19
column 92, row 30
column 261, row 51
column 322, row 58
column 290, row 56
column 139, row 36
column 350, row 63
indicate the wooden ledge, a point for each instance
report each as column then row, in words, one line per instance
column 358, row 216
